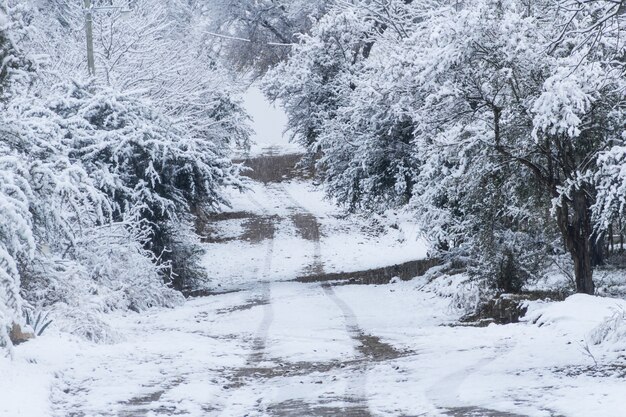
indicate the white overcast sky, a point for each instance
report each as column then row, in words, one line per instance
column 269, row 121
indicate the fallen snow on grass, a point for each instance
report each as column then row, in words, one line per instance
column 578, row 314
column 536, row 368
column 612, row 330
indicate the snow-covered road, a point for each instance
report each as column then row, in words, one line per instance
column 274, row 347
column 281, row 231
column 279, row 349
column 291, row 349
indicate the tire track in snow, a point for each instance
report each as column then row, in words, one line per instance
column 308, row 227
column 259, row 342
column 370, row 347
column 372, row 351
column 356, row 390
column 445, row 394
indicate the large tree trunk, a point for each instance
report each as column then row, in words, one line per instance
column 598, row 250
column 577, row 232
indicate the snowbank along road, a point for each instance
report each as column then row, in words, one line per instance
column 265, row 345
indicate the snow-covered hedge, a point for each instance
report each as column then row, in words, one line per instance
column 97, row 188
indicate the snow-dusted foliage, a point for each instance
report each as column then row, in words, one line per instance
column 99, row 178
column 66, row 246
column 140, row 158
column 16, row 238
column 106, row 269
column 16, row 235
column 255, row 35
column 316, row 79
column 156, row 125
column 148, row 165
column 149, row 49
column 364, row 142
column 501, row 127
column 611, row 331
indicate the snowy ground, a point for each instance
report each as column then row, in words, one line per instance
column 282, row 231
column 281, row 348
column 290, row 349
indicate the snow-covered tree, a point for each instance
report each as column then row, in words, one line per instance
column 16, row 237
column 498, row 99
column 359, row 141
column 144, row 162
column 255, row 35
column 151, row 49
column 488, row 116
column 98, row 186
column 316, row 79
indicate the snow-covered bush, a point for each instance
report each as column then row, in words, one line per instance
column 115, row 184
column 106, row 269
column 139, row 157
column 155, row 127
column 182, row 253
column 464, row 293
column 73, row 255
column 482, row 116
column 59, row 244
column 16, row 239
column 97, row 186
column 611, row 331
column 146, row 163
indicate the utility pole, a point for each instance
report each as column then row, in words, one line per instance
column 89, row 10
column 89, row 32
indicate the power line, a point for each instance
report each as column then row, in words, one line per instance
column 235, row 38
